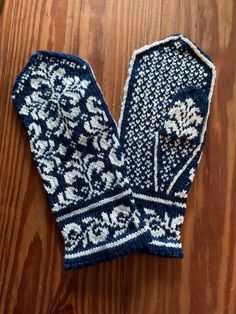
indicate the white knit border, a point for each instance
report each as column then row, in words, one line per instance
column 156, row 161
column 106, row 246
column 158, row 200
column 93, row 206
column 169, row 244
column 157, row 43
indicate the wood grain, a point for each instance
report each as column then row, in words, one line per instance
column 105, row 32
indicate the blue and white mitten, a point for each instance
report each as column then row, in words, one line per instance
column 162, row 129
column 75, row 144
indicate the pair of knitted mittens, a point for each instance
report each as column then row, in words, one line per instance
column 112, row 191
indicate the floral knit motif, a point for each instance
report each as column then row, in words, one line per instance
column 75, row 144
column 56, row 98
column 162, row 129
column 95, row 230
column 89, row 172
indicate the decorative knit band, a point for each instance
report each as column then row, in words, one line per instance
column 162, row 129
column 75, row 144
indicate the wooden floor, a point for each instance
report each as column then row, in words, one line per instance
column 105, row 33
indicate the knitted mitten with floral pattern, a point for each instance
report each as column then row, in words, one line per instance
column 162, row 129
column 75, row 144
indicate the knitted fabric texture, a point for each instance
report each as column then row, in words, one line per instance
column 162, row 129
column 75, row 144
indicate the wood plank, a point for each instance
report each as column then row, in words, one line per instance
column 105, row 33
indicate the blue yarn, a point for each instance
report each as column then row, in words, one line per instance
column 75, row 145
column 162, row 129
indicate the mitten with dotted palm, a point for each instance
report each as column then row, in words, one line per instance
column 162, row 130
column 75, row 144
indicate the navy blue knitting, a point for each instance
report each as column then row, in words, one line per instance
column 75, row 144
column 162, row 129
